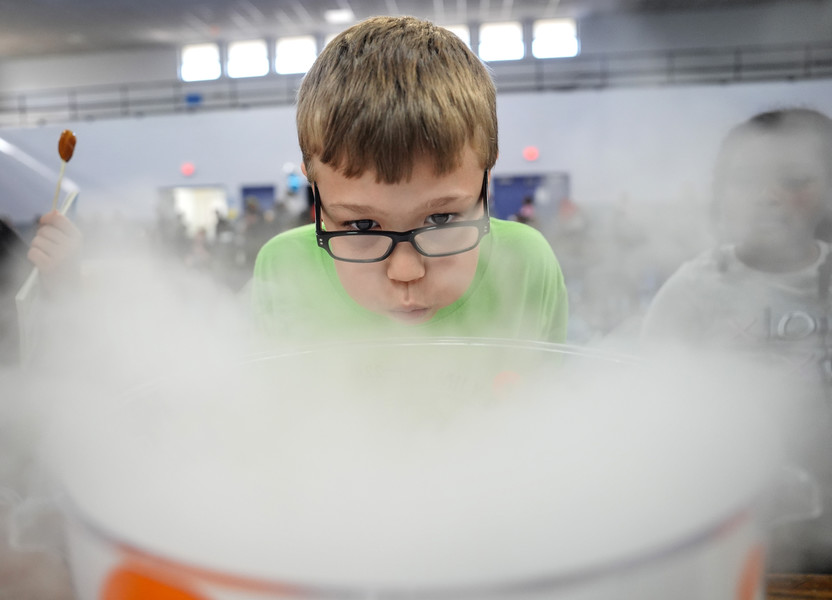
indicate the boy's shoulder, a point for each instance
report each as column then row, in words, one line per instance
column 295, row 235
column 292, row 258
column 717, row 260
column 287, row 277
column 292, row 244
column 517, row 233
column 513, row 241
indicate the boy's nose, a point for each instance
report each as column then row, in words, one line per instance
column 405, row 264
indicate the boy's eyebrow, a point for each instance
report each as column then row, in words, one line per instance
column 359, row 209
column 431, row 204
column 442, row 201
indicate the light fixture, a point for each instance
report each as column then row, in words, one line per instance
column 339, row 16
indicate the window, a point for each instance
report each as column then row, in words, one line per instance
column 248, row 59
column 295, row 54
column 555, row 38
column 200, row 62
column 339, row 16
column 501, row 41
column 462, row 31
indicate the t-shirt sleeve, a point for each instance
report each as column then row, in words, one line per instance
column 553, row 307
column 559, row 307
column 263, row 289
column 276, row 291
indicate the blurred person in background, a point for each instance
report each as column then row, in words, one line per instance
column 199, row 255
column 14, row 267
column 28, row 573
column 54, row 251
column 526, row 214
column 255, row 231
column 764, row 292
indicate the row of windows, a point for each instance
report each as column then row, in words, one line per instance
column 551, row 38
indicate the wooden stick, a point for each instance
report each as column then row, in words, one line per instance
column 58, row 189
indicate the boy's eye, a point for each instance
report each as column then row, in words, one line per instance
column 440, row 219
column 361, row 224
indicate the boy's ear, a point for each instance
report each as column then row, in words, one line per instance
column 303, row 169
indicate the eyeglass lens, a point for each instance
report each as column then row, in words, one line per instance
column 360, row 247
column 445, row 240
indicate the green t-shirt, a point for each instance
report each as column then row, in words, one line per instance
column 517, row 292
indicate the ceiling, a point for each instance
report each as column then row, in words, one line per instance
column 50, row 27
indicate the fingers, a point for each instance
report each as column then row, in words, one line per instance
column 56, row 244
column 61, row 223
column 40, row 259
column 48, row 254
column 45, row 256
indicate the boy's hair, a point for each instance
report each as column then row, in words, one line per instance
column 390, row 91
column 776, row 122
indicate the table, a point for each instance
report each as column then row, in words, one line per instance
column 798, row 587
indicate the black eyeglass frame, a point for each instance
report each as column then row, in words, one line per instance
column 483, row 225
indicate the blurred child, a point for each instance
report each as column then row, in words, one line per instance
column 54, row 250
column 526, row 214
column 13, row 271
column 765, row 290
column 766, row 287
column 398, row 129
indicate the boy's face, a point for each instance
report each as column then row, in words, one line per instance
column 406, row 286
column 776, row 189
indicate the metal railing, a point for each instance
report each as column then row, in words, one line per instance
column 694, row 66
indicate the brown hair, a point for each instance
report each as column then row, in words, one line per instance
column 393, row 90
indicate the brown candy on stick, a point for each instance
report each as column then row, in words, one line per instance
column 66, row 146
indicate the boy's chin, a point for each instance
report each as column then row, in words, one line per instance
column 413, row 317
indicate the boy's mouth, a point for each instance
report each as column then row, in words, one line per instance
column 414, row 314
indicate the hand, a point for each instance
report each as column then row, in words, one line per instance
column 56, row 249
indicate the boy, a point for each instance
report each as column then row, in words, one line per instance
column 766, row 288
column 398, row 129
column 765, row 291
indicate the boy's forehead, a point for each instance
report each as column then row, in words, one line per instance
column 421, row 167
column 793, row 147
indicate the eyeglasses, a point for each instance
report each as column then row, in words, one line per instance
column 433, row 241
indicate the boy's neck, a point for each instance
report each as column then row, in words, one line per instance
column 780, row 259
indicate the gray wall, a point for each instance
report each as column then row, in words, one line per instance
column 653, row 146
column 120, row 165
